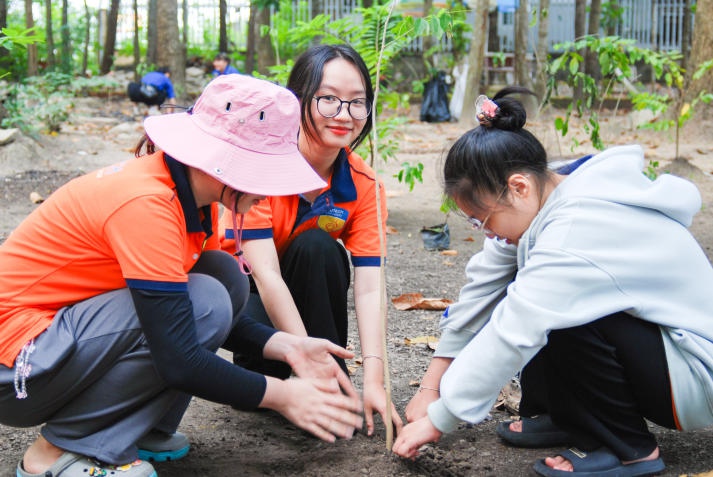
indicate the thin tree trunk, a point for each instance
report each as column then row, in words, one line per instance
column 185, row 9
column 592, row 60
column 251, row 39
column 265, row 51
column 49, row 37
column 222, row 26
column 428, row 40
column 476, row 59
column 580, row 23
column 152, row 34
column 66, row 52
column 686, row 34
column 87, row 36
column 3, row 24
column 522, row 65
column 110, row 39
column 32, row 66
column 137, row 49
column 543, row 24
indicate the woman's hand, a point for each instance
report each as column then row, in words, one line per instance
column 375, row 400
column 413, row 436
column 312, row 358
column 312, row 405
column 418, row 405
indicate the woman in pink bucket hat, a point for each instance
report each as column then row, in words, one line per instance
column 114, row 295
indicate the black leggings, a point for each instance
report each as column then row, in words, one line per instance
column 600, row 381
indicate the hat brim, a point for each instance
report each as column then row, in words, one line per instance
column 254, row 172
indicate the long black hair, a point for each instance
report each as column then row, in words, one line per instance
column 480, row 162
column 306, row 78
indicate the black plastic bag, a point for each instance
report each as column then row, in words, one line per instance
column 434, row 108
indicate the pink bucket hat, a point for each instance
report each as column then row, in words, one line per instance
column 243, row 132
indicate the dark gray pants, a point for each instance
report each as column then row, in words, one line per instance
column 92, row 380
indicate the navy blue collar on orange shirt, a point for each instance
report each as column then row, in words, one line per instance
column 342, row 187
column 188, row 200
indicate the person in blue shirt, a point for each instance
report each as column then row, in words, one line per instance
column 154, row 89
column 222, row 66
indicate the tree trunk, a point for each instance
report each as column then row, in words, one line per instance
column 137, row 49
column 49, row 38
column 476, row 59
column 580, row 22
column 265, row 52
column 185, row 24
column 686, row 34
column 592, row 61
column 66, row 53
column 428, row 40
column 110, row 38
column 87, row 36
column 152, row 34
column 222, row 26
column 522, row 65
column 3, row 24
column 701, row 50
column 493, row 39
column 170, row 51
column 31, row 49
column 543, row 24
column 251, row 39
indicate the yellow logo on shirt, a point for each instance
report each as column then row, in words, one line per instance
column 333, row 220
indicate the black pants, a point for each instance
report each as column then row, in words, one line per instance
column 137, row 96
column 316, row 270
column 600, row 381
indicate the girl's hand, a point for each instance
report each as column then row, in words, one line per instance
column 413, row 436
column 418, row 405
column 375, row 400
column 313, row 358
column 312, row 405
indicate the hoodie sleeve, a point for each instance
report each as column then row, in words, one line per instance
column 489, row 273
column 555, row 290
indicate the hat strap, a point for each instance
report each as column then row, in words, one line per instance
column 238, row 234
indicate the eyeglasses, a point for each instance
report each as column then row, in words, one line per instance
column 477, row 224
column 330, row 106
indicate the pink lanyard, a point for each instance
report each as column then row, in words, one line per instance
column 238, row 233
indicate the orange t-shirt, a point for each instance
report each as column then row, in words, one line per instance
column 346, row 209
column 123, row 225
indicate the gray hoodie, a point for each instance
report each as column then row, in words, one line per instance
column 607, row 239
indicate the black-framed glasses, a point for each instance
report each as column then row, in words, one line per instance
column 330, row 106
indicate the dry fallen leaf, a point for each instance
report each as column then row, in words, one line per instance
column 509, row 397
column 414, row 383
column 352, row 370
column 449, row 252
column 416, row 301
column 430, row 341
column 36, row 198
column 469, row 239
column 391, row 230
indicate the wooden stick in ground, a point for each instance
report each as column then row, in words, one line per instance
column 382, row 246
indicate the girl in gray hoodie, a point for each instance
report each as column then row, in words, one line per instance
column 589, row 284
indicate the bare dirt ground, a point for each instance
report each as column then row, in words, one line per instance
column 226, row 442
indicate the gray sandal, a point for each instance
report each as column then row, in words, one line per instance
column 75, row 465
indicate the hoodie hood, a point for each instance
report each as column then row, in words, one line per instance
column 616, row 175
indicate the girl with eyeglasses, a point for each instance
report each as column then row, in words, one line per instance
column 572, row 291
column 300, row 246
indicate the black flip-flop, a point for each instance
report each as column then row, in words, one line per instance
column 537, row 431
column 599, row 463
